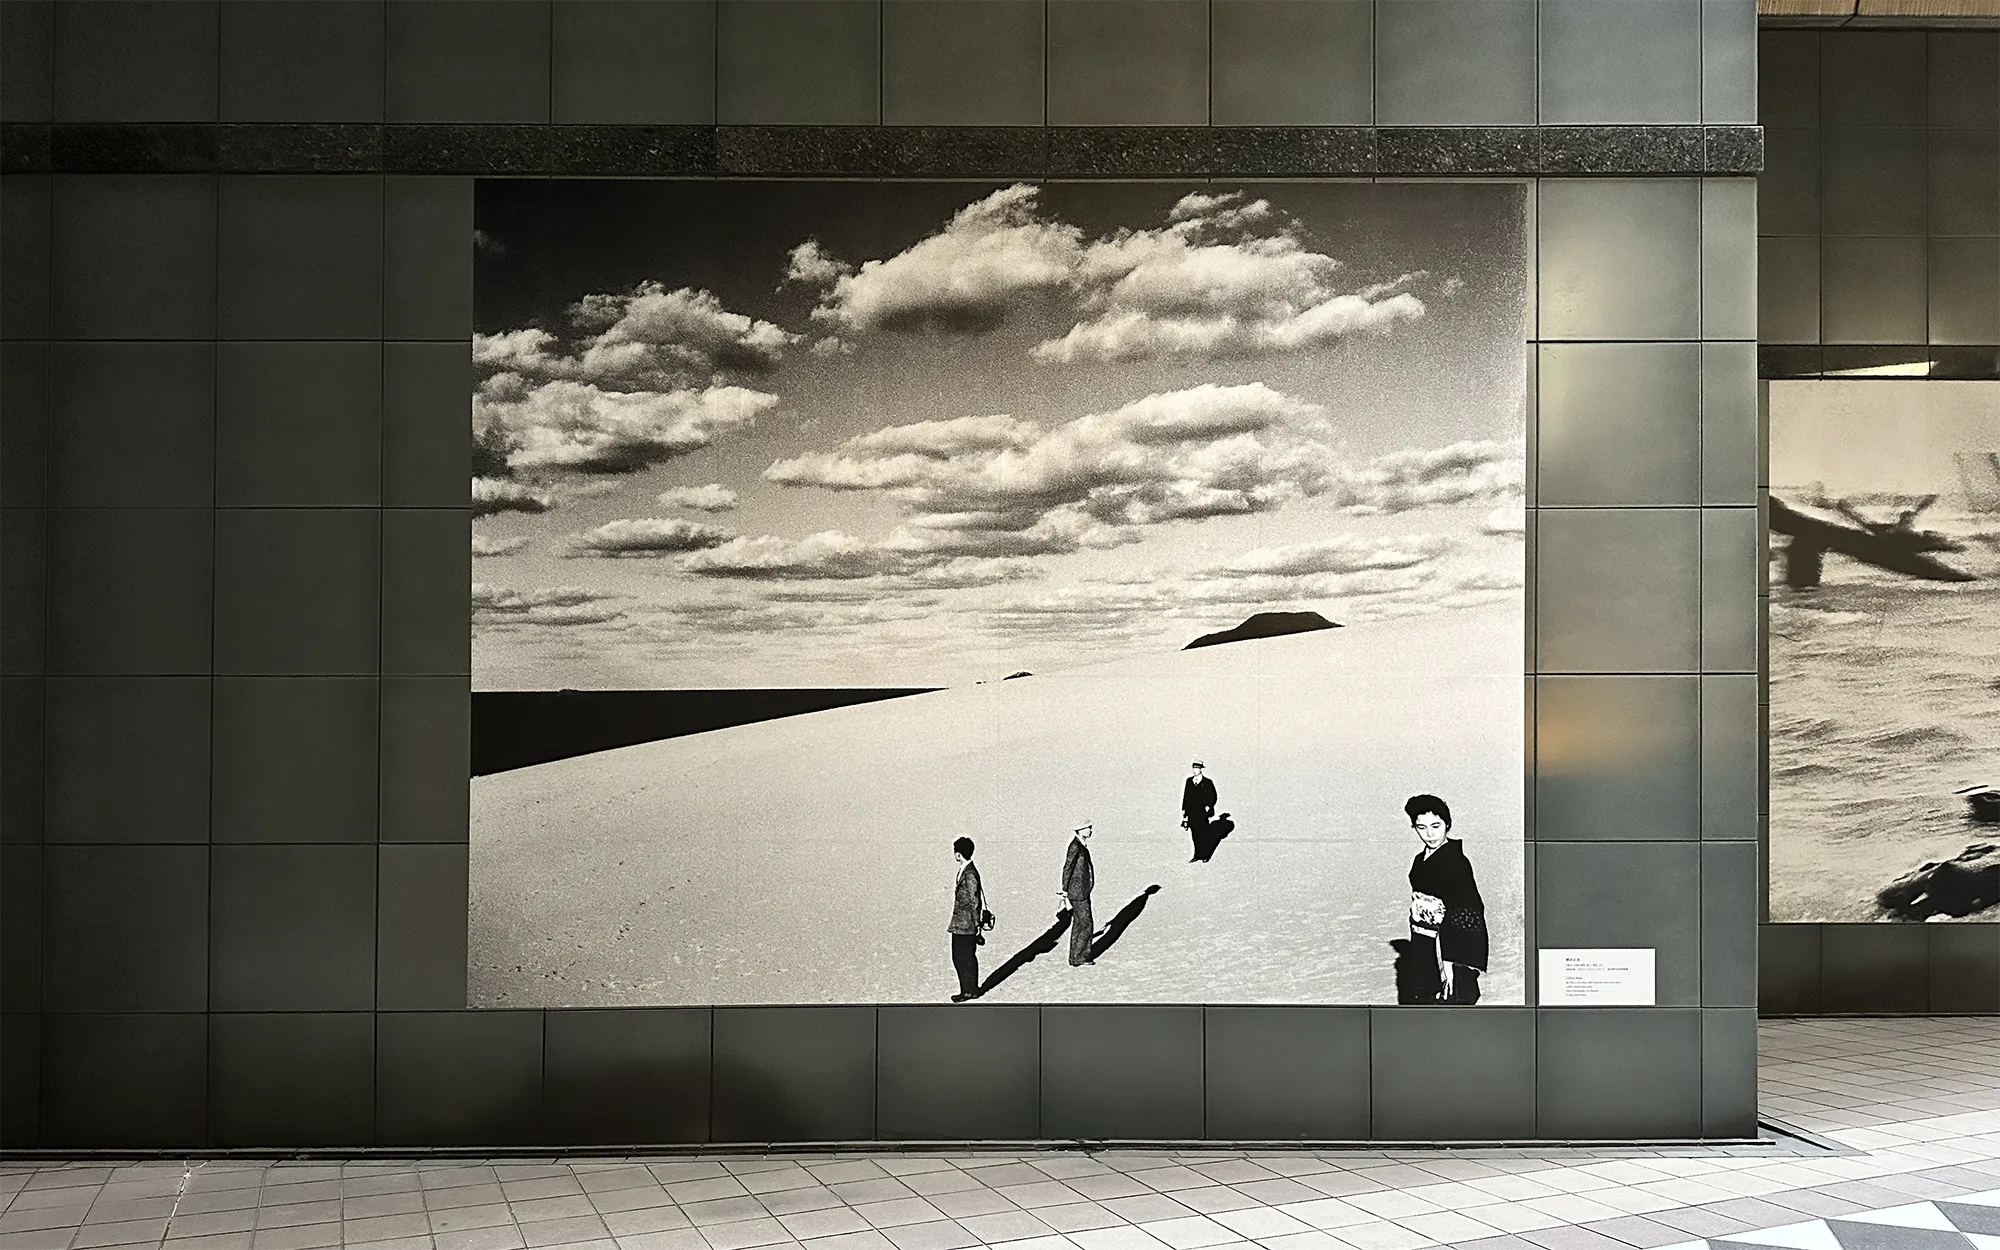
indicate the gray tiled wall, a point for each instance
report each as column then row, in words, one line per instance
column 235, row 726
column 1879, row 240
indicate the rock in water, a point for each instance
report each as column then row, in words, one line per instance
column 1968, row 882
column 1266, row 625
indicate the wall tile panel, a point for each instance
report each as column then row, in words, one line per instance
column 21, row 790
column 298, row 424
column 292, row 928
column 950, row 64
column 1729, row 258
column 1276, row 1073
column 1620, row 258
column 633, row 62
column 1122, row 1072
column 427, row 259
column 302, row 61
column 24, row 577
column 426, row 757
column 1138, row 63
column 468, row 61
column 1293, row 63
column 923, row 1055
column 297, row 591
column 458, row 1078
column 130, row 590
column 124, row 1080
column 794, row 1074
column 1618, row 423
column 134, row 256
column 638, row 1076
column 1618, row 589
column 152, row 734
column 126, row 928
column 133, row 61
column 301, row 257
column 25, row 231
column 1624, row 64
column 426, row 584
column 1729, row 881
column 798, row 62
column 291, row 1079
column 295, row 760
column 1873, row 291
column 1617, row 757
column 420, row 916
column 1424, row 78
column 1618, row 1073
column 1450, row 1073
column 132, row 425
column 1639, row 894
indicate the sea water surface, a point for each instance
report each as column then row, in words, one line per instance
column 1885, row 699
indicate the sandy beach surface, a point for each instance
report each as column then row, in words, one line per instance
column 808, row 860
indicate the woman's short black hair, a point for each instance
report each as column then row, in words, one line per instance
column 1421, row 803
column 964, row 846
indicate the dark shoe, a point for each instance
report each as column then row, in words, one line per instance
column 958, row 998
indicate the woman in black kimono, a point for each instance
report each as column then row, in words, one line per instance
column 1447, row 949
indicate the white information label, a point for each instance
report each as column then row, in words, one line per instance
column 1597, row 978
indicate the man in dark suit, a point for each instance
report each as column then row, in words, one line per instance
column 1197, row 807
column 1079, row 877
column 968, row 909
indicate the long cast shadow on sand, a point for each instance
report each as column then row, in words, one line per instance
column 1121, row 922
column 1049, row 938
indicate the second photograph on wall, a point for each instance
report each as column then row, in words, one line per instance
column 1885, row 660
column 927, row 592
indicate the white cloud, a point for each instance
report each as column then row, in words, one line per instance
column 483, row 547
column 1205, row 451
column 961, row 280
column 558, row 605
column 1218, row 281
column 1345, row 554
column 491, row 495
column 1465, row 472
column 1226, row 276
column 648, row 338
column 643, row 378
column 646, row 537
column 897, row 563
column 813, row 265
column 713, row 497
column 575, row 427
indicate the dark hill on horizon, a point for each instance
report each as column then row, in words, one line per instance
column 1266, row 625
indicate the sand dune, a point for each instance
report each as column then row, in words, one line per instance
column 808, row 860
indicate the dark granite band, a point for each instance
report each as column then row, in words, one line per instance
column 884, row 151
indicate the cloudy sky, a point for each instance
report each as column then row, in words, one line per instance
column 921, row 434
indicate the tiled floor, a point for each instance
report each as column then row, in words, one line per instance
column 1912, row 1107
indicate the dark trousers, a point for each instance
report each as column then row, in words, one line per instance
column 1197, row 827
column 1080, row 926
column 965, row 958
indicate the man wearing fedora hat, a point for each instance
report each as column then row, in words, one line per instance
column 1197, row 807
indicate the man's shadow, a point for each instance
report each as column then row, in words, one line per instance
column 1206, row 842
column 1121, row 922
column 1051, row 937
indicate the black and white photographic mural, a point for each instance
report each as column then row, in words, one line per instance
column 1885, row 660
column 925, row 592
